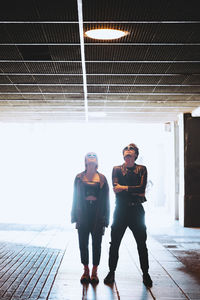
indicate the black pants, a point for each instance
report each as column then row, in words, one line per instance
column 83, row 234
column 132, row 217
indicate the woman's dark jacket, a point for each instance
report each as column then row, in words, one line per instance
column 79, row 206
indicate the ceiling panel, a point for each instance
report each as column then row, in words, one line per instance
column 10, row 97
column 61, row 32
column 4, row 79
column 112, row 68
column 174, row 79
column 8, row 89
column 8, row 52
column 158, row 32
column 132, row 52
column 55, row 79
column 192, row 79
column 187, row 68
column 13, row 67
column 74, row 97
column 25, row 33
column 119, row 79
column 66, row 53
column 38, row 52
column 58, row 10
column 28, row 88
column 142, row 68
column 41, row 67
column 22, row 79
column 4, row 37
column 18, row 10
column 68, row 67
column 114, row 10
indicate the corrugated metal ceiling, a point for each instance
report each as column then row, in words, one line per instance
column 48, row 72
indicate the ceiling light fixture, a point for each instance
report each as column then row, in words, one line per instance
column 105, row 34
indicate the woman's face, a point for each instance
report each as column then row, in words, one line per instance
column 91, row 158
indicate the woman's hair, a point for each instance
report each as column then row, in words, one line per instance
column 135, row 148
column 86, row 157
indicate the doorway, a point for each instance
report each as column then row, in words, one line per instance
column 39, row 162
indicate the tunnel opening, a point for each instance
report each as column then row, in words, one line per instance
column 39, row 162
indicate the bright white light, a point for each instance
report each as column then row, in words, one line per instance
column 39, row 162
column 105, row 34
column 97, row 114
column 196, row 112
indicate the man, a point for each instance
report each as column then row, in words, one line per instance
column 129, row 183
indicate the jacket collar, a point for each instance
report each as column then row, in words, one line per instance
column 125, row 169
column 81, row 175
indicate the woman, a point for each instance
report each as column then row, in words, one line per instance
column 90, row 211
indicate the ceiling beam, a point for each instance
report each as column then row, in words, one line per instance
column 101, row 74
column 104, row 61
column 100, row 22
column 109, row 108
column 75, row 101
column 102, row 44
column 80, row 19
column 97, row 84
column 118, row 93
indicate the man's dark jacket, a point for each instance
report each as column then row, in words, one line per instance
column 136, row 180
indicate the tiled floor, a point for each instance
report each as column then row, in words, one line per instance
column 42, row 262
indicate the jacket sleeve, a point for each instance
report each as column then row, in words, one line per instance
column 115, row 175
column 107, row 204
column 140, row 188
column 74, row 203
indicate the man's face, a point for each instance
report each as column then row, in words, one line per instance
column 129, row 153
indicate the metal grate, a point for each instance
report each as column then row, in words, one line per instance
column 59, row 10
column 68, row 68
column 18, row 10
column 65, row 53
column 25, row 33
column 128, row 10
column 173, row 33
column 140, row 53
column 9, row 53
column 38, row 53
column 13, row 67
column 61, row 33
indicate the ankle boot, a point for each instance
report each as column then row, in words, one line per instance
column 110, row 278
column 94, row 278
column 147, row 280
column 85, row 278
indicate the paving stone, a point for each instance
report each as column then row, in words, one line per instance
column 45, row 264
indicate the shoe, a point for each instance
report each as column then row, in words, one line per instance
column 94, row 278
column 147, row 280
column 110, row 278
column 85, row 278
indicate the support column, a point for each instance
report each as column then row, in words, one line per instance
column 177, row 175
column 191, row 146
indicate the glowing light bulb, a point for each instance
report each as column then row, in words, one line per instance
column 105, row 34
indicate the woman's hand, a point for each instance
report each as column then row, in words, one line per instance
column 119, row 188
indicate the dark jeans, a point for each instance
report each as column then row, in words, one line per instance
column 83, row 234
column 132, row 217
